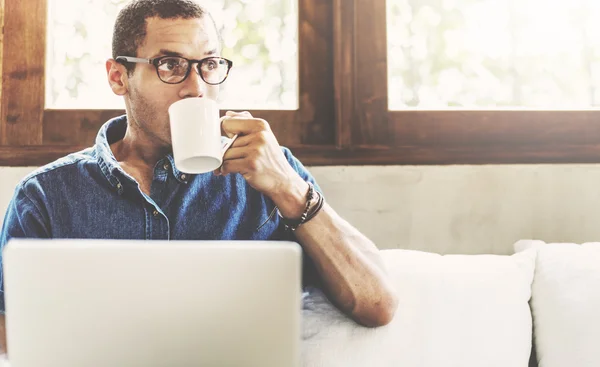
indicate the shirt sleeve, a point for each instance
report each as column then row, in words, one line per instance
column 23, row 219
column 300, row 169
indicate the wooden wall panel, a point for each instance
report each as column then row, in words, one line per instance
column 480, row 129
column 74, row 127
column 447, row 155
column 2, row 124
column 316, row 112
column 80, row 127
column 370, row 125
column 23, row 86
column 34, row 155
column 343, row 68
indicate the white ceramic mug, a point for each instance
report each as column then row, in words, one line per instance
column 198, row 146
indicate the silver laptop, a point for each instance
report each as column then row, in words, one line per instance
column 88, row 303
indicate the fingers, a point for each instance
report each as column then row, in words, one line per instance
column 223, row 132
column 243, row 113
column 254, row 144
column 242, row 124
column 235, row 153
column 242, row 141
column 238, row 165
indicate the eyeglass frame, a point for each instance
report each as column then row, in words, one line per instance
column 156, row 60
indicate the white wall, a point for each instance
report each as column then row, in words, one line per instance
column 452, row 209
column 467, row 209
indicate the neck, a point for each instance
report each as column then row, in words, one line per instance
column 139, row 149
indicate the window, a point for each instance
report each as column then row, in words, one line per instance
column 261, row 36
column 54, row 90
column 374, row 82
column 493, row 54
column 389, row 118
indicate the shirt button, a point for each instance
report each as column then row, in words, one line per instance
column 183, row 177
column 166, row 166
column 155, row 213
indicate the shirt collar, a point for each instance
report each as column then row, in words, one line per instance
column 114, row 130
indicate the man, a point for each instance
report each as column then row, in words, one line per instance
column 127, row 185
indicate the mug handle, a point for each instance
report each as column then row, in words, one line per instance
column 230, row 142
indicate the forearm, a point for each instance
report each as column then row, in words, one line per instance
column 350, row 266
column 348, row 262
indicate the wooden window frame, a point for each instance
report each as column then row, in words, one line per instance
column 343, row 116
column 371, row 134
column 30, row 134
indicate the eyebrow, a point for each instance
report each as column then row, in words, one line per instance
column 166, row 52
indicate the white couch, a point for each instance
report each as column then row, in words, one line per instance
column 472, row 311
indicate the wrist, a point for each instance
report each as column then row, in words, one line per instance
column 291, row 200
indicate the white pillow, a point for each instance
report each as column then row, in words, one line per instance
column 454, row 311
column 566, row 304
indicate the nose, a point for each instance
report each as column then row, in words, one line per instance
column 193, row 86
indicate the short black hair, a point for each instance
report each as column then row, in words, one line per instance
column 130, row 27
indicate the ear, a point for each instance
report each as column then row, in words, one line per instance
column 117, row 77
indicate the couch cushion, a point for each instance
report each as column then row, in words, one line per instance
column 565, row 303
column 455, row 310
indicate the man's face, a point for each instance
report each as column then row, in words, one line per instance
column 148, row 97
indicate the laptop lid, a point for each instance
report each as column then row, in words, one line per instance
column 73, row 303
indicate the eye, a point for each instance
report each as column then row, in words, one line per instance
column 171, row 64
column 211, row 64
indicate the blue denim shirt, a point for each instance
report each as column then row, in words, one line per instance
column 88, row 195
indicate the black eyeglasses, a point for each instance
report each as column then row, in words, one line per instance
column 175, row 69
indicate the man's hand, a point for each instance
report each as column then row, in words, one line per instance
column 257, row 156
column 348, row 262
